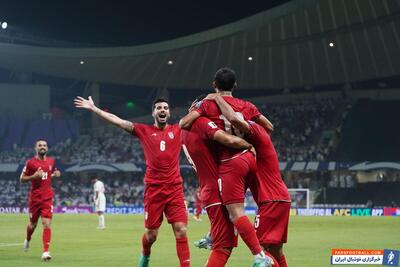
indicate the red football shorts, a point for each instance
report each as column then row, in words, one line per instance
column 271, row 222
column 164, row 199
column 222, row 230
column 233, row 176
column 40, row 208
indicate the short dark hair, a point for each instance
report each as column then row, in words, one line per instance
column 225, row 79
column 40, row 139
column 94, row 176
column 158, row 100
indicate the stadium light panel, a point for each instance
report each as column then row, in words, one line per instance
column 82, row 62
column 250, row 58
column 331, row 44
column 170, row 62
column 4, row 25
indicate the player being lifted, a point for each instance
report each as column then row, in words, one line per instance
column 39, row 170
column 235, row 168
column 163, row 194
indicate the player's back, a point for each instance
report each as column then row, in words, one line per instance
column 201, row 154
column 161, row 149
column 242, row 107
column 272, row 186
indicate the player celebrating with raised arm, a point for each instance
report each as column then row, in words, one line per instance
column 161, row 144
column 39, row 170
column 269, row 189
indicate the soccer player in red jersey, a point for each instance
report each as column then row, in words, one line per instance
column 163, row 194
column 200, row 151
column 198, row 205
column 269, row 189
column 235, row 167
column 39, row 170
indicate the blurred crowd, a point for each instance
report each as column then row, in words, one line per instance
column 298, row 126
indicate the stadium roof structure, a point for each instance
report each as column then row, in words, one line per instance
column 300, row 43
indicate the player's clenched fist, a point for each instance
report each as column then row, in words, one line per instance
column 39, row 173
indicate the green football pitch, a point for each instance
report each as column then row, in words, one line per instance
column 77, row 242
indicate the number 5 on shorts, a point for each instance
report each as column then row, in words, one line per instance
column 257, row 221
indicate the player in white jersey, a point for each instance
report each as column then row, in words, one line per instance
column 99, row 201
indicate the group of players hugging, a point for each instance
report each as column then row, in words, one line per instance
column 228, row 143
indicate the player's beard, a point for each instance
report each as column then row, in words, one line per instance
column 42, row 152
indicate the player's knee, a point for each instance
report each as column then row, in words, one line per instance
column 180, row 230
column 151, row 236
column 46, row 225
column 32, row 225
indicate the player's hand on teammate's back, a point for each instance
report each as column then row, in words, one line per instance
column 56, row 173
column 39, row 173
column 81, row 102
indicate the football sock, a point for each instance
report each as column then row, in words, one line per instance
column 248, row 234
column 101, row 221
column 218, row 258
column 46, row 239
column 282, row 261
column 146, row 246
column 29, row 232
column 182, row 249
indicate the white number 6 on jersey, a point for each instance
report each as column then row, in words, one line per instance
column 162, row 145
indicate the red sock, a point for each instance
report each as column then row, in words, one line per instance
column 248, row 235
column 276, row 262
column 46, row 239
column 182, row 249
column 29, row 233
column 146, row 246
column 282, row 261
column 218, row 258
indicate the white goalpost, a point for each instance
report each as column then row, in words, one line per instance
column 300, row 197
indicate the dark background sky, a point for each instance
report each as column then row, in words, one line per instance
column 124, row 22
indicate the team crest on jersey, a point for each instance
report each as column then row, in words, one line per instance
column 171, row 135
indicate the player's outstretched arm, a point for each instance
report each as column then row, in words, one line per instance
column 26, row 178
column 88, row 104
column 231, row 141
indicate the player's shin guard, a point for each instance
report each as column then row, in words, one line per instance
column 248, row 234
column 182, row 249
column 46, row 237
column 29, row 232
column 146, row 246
column 282, row 261
column 218, row 258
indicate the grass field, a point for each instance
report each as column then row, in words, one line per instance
column 76, row 242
